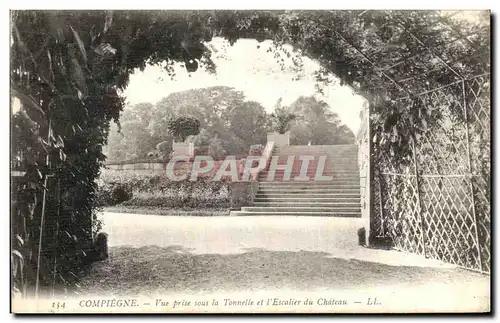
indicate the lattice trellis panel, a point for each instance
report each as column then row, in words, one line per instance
column 478, row 115
column 448, row 213
column 443, row 150
column 377, row 224
column 439, row 206
column 401, row 212
column 482, row 189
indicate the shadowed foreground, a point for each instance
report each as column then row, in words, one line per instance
column 153, row 269
column 161, row 254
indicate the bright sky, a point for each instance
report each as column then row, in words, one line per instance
column 255, row 72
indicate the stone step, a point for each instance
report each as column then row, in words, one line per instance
column 309, row 191
column 295, row 173
column 351, row 193
column 325, row 172
column 307, row 204
column 316, row 155
column 338, row 146
column 289, row 150
column 327, row 150
column 279, row 179
column 306, row 185
column 322, row 214
column 301, row 186
column 303, row 200
column 329, row 165
column 312, row 179
column 301, row 209
column 312, row 196
column 329, row 158
column 323, row 148
column 309, row 177
column 313, row 173
column 306, row 198
column 329, row 172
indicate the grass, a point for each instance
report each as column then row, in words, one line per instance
column 165, row 211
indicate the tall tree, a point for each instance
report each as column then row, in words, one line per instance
column 205, row 104
column 317, row 123
column 246, row 126
column 221, row 110
column 133, row 139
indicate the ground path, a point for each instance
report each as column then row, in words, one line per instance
column 164, row 254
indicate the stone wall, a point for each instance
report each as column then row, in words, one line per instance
column 243, row 194
column 156, row 167
column 183, row 149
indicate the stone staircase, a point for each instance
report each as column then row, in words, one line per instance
column 338, row 195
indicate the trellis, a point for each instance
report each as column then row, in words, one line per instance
column 437, row 203
column 439, row 206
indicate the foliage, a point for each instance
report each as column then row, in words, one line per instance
column 317, row 124
column 206, row 144
column 215, row 148
column 247, row 125
column 67, row 68
column 111, row 193
column 132, row 138
column 183, row 126
column 167, row 211
column 164, row 148
column 157, row 191
column 256, row 150
column 201, row 141
column 281, row 118
column 223, row 113
column 208, row 105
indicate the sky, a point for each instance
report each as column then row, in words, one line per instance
column 248, row 67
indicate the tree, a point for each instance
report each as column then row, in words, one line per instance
column 201, row 141
column 182, row 127
column 215, row 148
column 246, row 125
column 205, row 104
column 317, row 123
column 222, row 111
column 133, row 139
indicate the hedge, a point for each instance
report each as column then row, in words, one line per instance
column 142, row 190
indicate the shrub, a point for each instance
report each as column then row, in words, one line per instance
column 183, row 126
column 256, row 150
column 143, row 190
column 281, row 118
column 112, row 193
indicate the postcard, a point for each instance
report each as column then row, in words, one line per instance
column 250, row 161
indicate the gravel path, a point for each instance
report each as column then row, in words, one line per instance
column 161, row 254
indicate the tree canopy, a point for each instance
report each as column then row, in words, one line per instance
column 316, row 123
column 228, row 123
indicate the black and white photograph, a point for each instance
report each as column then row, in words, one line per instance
column 250, row 161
